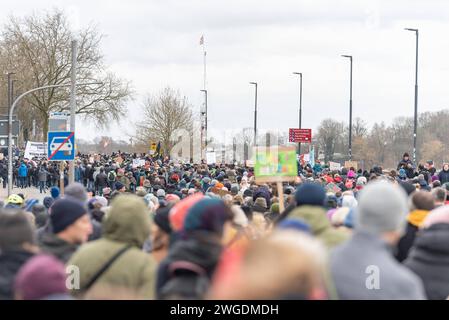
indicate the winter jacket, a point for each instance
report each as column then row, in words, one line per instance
column 42, row 175
column 443, row 176
column 127, row 224
column 200, row 252
column 320, row 226
column 429, row 259
column 364, row 268
column 52, row 244
column 23, row 170
column 414, row 221
column 10, row 263
column 403, row 164
column 102, row 180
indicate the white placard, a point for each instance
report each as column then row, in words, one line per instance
column 334, row 166
column 211, row 157
column 35, row 149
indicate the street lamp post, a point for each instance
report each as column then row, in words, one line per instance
column 350, row 108
column 11, row 111
column 300, row 106
column 205, row 116
column 255, row 113
column 415, row 124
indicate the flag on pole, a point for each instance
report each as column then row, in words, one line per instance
column 202, row 40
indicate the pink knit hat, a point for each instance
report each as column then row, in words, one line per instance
column 439, row 215
column 40, row 277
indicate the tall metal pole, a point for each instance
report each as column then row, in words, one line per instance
column 73, row 105
column 415, row 123
column 300, row 106
column 255, row 113
column 350, row 108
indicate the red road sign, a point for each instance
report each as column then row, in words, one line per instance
column 300, row 135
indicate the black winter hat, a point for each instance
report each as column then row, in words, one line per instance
column 161, row 219
column 310, row 194
column 65, row 212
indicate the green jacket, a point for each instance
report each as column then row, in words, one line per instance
column 127, row 223
column 320, row 226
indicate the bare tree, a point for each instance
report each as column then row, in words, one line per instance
column 163, row 114
column 38, row 49
column 329, row 135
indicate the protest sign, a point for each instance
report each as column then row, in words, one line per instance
column 275, row 164
column 35, row 149
column 334, row 166
column 211, row 157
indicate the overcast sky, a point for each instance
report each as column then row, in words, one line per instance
column 156, row 44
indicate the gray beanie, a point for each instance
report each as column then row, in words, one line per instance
column 382, row 208
column 76, row 191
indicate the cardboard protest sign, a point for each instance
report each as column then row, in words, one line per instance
column 275, row 164
column 349, row 164
column 334, row 166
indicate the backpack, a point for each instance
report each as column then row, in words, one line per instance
column 187, row 281
column 111, row 176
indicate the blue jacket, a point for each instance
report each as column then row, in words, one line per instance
column 23, row 170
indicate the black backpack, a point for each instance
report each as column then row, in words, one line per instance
column 188, row 281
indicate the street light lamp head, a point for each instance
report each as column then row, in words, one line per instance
column 411, row 29
column 346, row 56
column 300, row 73
column 253, row 83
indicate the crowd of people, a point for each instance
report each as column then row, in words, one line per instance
column 134, row 227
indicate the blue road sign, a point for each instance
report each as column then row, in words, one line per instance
column 61, row 146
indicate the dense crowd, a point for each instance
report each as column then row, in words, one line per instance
column 135, row 227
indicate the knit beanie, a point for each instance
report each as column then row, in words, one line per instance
column 439, row 215
column 40, row 277
column 207, row 215
column 310, row 194
column 54, row 191
column 377, row 216
column 161, row 219
column 76, row 191
column 65, row 212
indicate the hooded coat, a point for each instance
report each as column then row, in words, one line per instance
column 319, row 224
column 10, row 263
column 127, row 224
column 429, row 259
column 52, row 244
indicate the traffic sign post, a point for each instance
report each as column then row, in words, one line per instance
column 61, row 146
column 300, row 135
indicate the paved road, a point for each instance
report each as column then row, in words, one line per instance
column 29, row 193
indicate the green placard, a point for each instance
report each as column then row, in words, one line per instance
column 275, row 164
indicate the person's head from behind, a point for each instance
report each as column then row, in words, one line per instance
column 41, row 277
column 70, row 221
column 41, row 215
column 16, row 232
column 421, row 200
column 293, row 268
column 385, row 218
column 77, row 192
column 440, row 196
column 207, row 217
